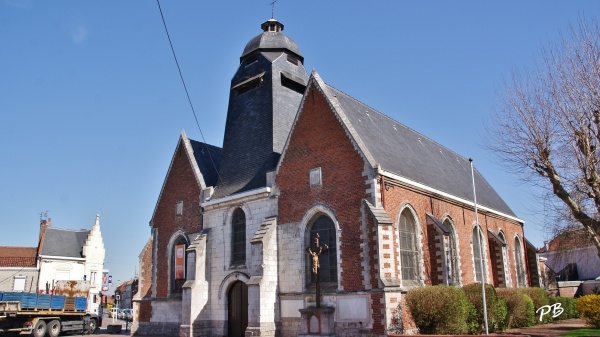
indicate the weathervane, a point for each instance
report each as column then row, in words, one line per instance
column 315, row 264
column 273, row 9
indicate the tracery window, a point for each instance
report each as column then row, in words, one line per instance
column 478, row 254
column 238, row 237
column 454, row 259
column 520, row 264
column 409, row 254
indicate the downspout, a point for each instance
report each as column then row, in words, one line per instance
column 383, row 192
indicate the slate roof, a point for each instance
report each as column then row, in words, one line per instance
column 259, row 120
column 409, row 154
column 64, row 242
column 208, row 158
column 22, row 257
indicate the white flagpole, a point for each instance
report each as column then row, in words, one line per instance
column 484, row 303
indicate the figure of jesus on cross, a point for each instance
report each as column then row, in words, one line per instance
column 315, row 264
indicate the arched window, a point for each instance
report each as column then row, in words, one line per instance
column 409, row 254
column 478, row 255
column 505, row 269
column 178, row 264
column 453, row 254
column 324, row 226
column 521, row 281
column 238, row 237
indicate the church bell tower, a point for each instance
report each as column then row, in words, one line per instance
column 264, row 97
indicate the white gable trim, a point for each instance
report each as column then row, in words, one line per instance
column 190, row 154
column 316, row 81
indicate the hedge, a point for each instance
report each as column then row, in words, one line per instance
column 519, row 306
column 440, row 310
column 496, row 307
column 589, row 307
column 540, row 299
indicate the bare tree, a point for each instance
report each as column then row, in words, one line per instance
column 547, row 125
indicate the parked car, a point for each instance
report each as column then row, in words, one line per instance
column 125, row 314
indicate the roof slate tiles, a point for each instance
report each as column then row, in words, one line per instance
column 409, row 154
column 64, row 242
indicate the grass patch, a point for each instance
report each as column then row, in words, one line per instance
column 582, row 332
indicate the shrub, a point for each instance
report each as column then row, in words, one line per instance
column 569, row 306
column 519, row 306
column 439, row 309
column 496, row 307
column 589, row 307
column 540, row 299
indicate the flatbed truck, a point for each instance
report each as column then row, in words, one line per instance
column 67, row 309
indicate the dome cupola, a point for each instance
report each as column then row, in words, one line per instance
column 272, row 39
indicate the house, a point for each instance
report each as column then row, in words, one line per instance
column 572, row 262
column 125, row 292
column 61, row 254
column 229, row 235
column 66, row 254
column 18, row 269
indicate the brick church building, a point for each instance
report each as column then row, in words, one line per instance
column 227, row 253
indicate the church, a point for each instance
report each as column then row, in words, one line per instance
column 392, row 210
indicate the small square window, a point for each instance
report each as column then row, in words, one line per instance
column 19, row 284
column 179, row 208
column 315, row 177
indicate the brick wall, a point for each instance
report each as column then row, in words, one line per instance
column 463, row 218
column 318, row 140
column 144, row 308
column 180, row 185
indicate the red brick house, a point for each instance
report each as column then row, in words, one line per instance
column 301, row 158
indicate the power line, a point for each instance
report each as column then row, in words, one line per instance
column 186, row 91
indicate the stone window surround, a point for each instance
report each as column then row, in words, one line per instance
column 170, row 251
column 406, row 206
column 518, row 252
column 506, row 259
column 449, row 222
column 308, row 218
column 227, row 244
column 484, row 253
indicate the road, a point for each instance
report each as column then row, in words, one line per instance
column 109, row 321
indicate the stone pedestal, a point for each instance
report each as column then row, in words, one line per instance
column 317, row 322
column 114, row 328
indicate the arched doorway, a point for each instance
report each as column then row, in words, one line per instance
column 237, row 315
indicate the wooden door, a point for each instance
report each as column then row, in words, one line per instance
column 238, row 309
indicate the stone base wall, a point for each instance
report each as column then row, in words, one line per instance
column 265, row 330
column 290, row 326
column 155, row 329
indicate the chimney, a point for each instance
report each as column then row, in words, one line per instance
column 44, row 224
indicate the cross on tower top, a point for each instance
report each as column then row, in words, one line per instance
column 273, row 9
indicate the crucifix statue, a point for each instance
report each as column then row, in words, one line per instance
column 315, row 264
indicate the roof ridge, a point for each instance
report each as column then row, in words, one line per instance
column 29, row 247
column 400, row 123
column 203, row 143
column 69, row 229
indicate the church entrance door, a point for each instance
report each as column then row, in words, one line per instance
column 238, row 309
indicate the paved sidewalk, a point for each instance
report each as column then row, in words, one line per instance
column 551, row 329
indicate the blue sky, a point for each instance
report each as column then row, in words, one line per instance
column 91, row 104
